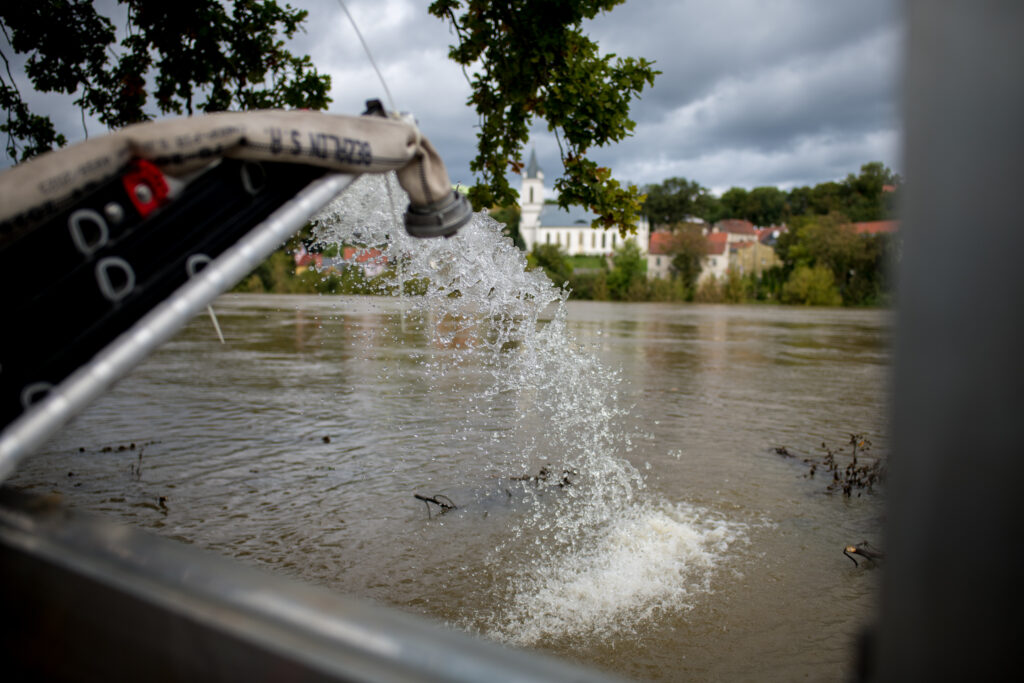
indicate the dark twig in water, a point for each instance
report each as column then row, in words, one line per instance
column 547, row 475
column 865, row 550
column 136, row 468
column 859, row 473
column 446, row 504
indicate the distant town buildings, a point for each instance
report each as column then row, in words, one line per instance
column 546, row 223
column 732, row 244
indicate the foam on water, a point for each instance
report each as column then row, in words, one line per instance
column 603, row 555
column 653, row 558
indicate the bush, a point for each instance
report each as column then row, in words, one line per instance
column 812, row 287
column 735, row 288
column 553, row 260
column 590, row 285
column 660, row 289
column 627, row 280
column 709, row 291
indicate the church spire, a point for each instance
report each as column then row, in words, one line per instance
column 532, row 168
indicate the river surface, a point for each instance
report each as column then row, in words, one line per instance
column 299, row 444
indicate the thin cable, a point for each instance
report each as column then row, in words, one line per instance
column 366, row 48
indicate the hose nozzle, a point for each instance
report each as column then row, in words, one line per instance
column 440, row 219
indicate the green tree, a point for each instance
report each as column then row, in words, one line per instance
column 553, row 260
column 676, row 200
column 509, row 216
column 735, row 287
column 858, row 263
column 629, row 273
column 192, row 55
column 811, row 286
column 709, row 291
column 590, row 285
column 865, row 193
column 531, row 59
column 688, row 247
column 765, row 206
column 733, row 203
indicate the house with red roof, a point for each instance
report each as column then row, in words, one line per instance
column 371, row 260
column 716, row 262
column 659, row 258
column 739, row 229
column 305, row 260
column 876, row 227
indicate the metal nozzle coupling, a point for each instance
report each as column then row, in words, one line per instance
column 440, row 219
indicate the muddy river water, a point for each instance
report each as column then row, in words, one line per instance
column 641, row 522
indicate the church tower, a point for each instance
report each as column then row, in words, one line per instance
column 531, row 201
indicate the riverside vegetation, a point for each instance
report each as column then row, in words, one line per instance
column 825, row 262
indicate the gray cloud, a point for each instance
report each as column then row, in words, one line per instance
column 772, row 92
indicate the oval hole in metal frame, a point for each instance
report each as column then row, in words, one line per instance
column 33, row 393
column 195, row 263
column 107, row 287
column 254, row 178
column 76, row 222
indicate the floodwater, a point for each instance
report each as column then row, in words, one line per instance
column 679, row 546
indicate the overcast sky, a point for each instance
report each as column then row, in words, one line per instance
column 753, row 92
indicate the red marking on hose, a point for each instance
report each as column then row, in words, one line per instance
column 146, row 187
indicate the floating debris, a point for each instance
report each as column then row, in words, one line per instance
column 857, row 475
column 547, row 476
column 136, row 468
column 446, row 504
column 865, row 550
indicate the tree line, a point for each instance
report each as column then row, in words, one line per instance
column 824, row 260
column 871, row 195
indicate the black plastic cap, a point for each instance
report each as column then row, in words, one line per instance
column 440, row 219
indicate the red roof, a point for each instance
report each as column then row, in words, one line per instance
column 364, row 255
column 717, row 242
column 304, row 259
column 661, row 243
column 876, row 227
column 736, row 226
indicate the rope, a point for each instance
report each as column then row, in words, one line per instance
column 366, row 48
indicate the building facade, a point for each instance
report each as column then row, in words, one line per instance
column 544, row 223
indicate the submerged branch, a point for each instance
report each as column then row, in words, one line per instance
column 446, row 504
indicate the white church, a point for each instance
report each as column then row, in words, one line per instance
column 541, row 223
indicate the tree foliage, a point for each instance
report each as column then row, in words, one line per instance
column 688, row 247
column 553, row 260
column 677, row 200
column 532, row 59
column 628, row 277
column 811, row 286
column 870, row 195
column 858, row 264
column 191, row 56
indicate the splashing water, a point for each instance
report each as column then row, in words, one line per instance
column 600, row 554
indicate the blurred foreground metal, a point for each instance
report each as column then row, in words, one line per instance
column 87, row 599
column 952, row 593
